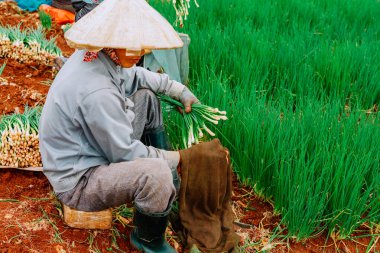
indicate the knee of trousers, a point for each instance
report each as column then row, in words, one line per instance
column 158, row 191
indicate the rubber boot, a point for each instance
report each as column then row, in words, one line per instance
column 156, row 138
column 148, row 236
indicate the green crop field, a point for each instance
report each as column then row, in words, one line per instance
column 300, row 81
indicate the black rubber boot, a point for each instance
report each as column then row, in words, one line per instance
column 148, row 236
column 156, row 138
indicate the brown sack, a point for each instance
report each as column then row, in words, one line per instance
column 205, row 198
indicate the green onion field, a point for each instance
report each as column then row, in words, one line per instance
column 300, row 81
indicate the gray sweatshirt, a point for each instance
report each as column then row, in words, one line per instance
column 86, row 122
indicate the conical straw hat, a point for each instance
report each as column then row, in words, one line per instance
column 127, row 24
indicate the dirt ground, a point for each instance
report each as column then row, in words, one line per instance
column 31, row 218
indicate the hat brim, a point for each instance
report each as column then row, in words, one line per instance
column 123, row 24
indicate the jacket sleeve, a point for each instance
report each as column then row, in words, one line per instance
column 108, row 128
column 160, row 83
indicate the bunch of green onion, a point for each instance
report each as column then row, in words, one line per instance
column 181, row 8
column 28, row 46
column 19, row 144
column 194, row 122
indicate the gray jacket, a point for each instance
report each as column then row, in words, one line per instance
column 86, row 122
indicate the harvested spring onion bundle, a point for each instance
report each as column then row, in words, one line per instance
column 19, row 139
column 195, row 121
column 27, row 46
column 181, row 8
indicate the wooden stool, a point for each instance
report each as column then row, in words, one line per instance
column 87, row 220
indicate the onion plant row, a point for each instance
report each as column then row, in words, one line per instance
column 319, row 165
column 300, row 83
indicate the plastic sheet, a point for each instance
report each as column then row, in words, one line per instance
column 60, row 16
column 32, row 5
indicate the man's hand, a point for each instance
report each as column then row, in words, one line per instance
column 187, row 98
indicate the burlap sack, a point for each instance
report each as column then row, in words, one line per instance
column 205, row 198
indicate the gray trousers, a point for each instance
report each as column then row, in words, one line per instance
column 148, row 182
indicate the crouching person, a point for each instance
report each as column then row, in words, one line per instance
column 102, row 139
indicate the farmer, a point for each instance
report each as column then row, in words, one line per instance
column 101, row 132
column 174, row 62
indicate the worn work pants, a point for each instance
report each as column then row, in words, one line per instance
column 146, row 181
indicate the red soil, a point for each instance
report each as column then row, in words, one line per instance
column 30, row 216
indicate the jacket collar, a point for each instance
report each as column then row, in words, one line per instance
column 114, row 70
